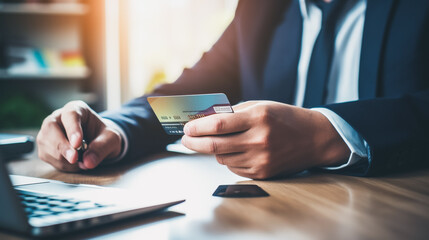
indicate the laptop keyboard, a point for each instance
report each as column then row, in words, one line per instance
column 41, row 205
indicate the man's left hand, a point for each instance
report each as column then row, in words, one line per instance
column 263, row 139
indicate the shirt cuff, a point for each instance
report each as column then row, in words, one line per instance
column 124, row 140
column 357, row 145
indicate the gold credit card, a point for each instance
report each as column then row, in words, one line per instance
column 173, row 112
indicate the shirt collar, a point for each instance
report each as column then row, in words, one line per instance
column 303, row 5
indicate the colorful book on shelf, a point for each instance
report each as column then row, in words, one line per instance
column 72, row 59
column 27, row 61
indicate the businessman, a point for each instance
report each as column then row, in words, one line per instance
column 338, row 85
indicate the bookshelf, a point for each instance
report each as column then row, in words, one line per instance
column 52, row 52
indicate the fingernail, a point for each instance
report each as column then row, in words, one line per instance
column 74, row 139
column 186, row 129
column 92, row 159
column 82, row 166
column 69, row 154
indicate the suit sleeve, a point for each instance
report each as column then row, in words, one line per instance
column 216, row 72
column 396, row 130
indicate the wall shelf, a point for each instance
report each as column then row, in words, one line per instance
column 63, row 75
column 44, row 8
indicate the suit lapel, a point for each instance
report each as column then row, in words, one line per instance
column 280, row 73
column 376, row 19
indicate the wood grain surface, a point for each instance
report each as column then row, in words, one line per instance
column 304, row 206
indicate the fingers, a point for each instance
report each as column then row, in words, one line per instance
column 244, row 172
column 238, row 160
column 251, row 165
column 52, row 142
column 61, row 164
column 54, row 148
column 71, row 118
column 218, row 124
column 243, row 105
column 61, row 133
column 105, row 145
column 232, row 143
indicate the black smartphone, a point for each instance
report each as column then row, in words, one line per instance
column 13, row 146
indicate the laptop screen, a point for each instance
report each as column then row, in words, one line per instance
column 12, row 212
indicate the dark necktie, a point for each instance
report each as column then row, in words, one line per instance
column 321, row 57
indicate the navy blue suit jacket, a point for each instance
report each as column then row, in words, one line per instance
column 392, row 114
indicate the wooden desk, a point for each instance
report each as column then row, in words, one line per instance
column 308, row 206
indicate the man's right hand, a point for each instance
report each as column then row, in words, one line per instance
column 62, row 133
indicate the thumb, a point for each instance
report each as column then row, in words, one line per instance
column 243, row 105
column 105, row 145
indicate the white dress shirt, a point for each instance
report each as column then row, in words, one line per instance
column 344, row 69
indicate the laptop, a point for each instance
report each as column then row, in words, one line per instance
column 42, row 207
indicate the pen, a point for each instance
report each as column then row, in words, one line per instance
column 80, row 150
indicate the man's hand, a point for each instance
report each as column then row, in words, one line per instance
column 263, row 139
column 62, row 132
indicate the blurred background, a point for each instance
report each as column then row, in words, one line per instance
column 104, row 52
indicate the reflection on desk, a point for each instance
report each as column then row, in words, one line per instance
column 305, row 206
